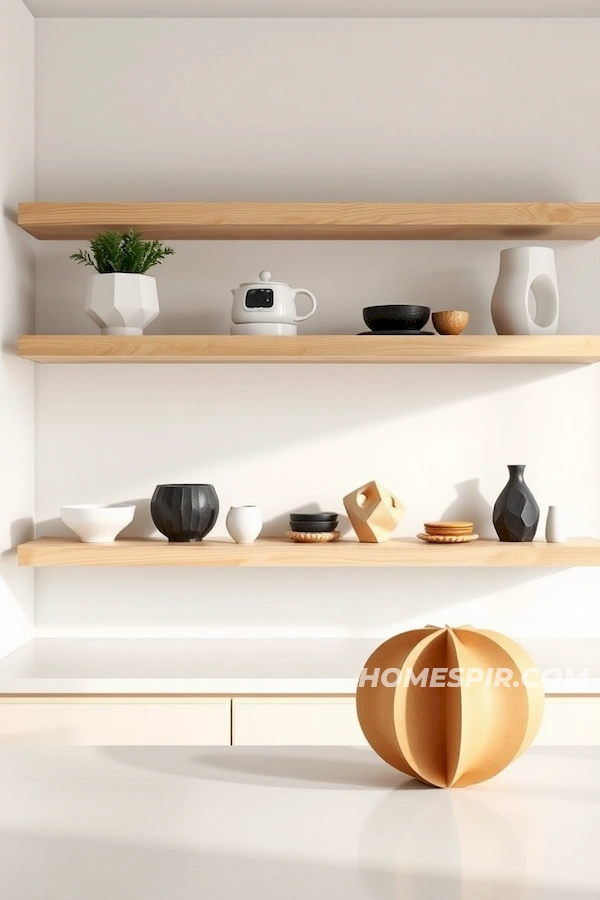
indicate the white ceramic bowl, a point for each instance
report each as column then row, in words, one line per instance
column 96, row 524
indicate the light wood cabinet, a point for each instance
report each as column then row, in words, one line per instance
column 279, row 721
column 106, row 721
column 242, row 721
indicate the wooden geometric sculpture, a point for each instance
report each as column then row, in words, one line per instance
column 437, row 731
column 374, row 512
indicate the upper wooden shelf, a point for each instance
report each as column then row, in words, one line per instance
column 316, row 221
column 270, row 552
column 73, row 348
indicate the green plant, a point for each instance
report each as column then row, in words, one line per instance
column 112, row 251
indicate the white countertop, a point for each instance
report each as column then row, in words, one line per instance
column 310, row 823
column 221, row 666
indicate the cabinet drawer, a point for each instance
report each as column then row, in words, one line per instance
column 105, row 721
column 570, row 721
column 332, row 720
column 296, row 720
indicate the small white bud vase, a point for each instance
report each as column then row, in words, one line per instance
column 121, row 302
column 244, row 523
column 525, row 271
column 556, row 532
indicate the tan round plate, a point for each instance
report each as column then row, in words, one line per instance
column 458, row 533
column 313, row 537
column 448, row 538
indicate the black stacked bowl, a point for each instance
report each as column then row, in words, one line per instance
column 396, row 317
column 314, row 522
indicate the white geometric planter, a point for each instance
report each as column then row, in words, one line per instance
column 524, row 270
column 122, row 303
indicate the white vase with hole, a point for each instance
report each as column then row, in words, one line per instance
column 556, row 528
column 525, row 299
column 121, row 302
column 244, row 523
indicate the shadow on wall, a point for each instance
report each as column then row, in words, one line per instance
column 471, row 505
column 272, row 602
column 16, row 590
column 142, row 525
column 227, row 412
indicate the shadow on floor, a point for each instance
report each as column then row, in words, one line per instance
column 306, row 768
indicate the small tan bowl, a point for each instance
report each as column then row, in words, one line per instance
column 450, row 321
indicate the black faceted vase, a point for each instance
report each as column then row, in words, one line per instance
column 184, row 512
column 516, row 514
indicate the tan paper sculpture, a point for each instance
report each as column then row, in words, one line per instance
column 429, row 725
column 374, row 512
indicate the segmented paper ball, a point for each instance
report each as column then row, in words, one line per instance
column 450, row 735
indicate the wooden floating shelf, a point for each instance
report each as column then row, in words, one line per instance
column 269, row 552
column 316, row 221
column 68, row 348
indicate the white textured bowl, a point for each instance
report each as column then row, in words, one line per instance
column 96, row 524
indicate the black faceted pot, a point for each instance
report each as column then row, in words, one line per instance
column 184, row 512
column 516, row 514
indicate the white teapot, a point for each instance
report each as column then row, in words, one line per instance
column 268, row 301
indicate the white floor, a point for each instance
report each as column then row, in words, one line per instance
column 214, row 824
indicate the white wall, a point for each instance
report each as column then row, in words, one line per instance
column 327, row 109
column 17, row 35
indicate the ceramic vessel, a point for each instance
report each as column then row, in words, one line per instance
column 374, row 512
column 315, row 526
column 96, row 524
column 184, row 513
column 314, row 517
column 526, row 273
column 516, row 514
column 122, row 303
column 268, row 301
column 244, row 523
column 556, row 531
column 450, row 321
column 396, row 317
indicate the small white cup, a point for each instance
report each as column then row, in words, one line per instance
column 244, row 523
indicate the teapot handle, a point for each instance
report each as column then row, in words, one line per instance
column 314, row 304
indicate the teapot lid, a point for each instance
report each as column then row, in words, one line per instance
column 265, row 280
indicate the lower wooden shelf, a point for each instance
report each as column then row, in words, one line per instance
column 310, row 348
column 268, row 552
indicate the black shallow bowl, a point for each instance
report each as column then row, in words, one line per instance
column 313, row 517
column 312, row 527
column 396, row 317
